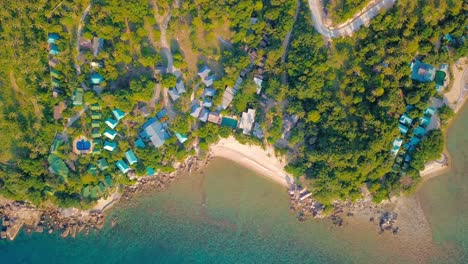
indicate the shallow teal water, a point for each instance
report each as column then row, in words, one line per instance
column 230, row 215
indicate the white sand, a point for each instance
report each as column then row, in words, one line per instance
column 262, row 161
column 103, row 204
column 457, row 93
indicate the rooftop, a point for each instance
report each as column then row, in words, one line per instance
column 131, row 158
column 77, row 97
column 118, row 114
column 180, row 87
column 112, row 123
column 403, row 129
column 96, row 78
column 110, row 146
column 406, row 120
column 156, row 133
column 422, row 72
column 247, row 121
column 123, row 167
column 180, row 137
column 110, row 134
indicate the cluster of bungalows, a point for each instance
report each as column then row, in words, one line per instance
column 175, row 92
column 418, row 134
column 55, row 75
column 94, row 45
column 423, row 72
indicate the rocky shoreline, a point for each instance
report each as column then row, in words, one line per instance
column 16, row 215
column 382, row 215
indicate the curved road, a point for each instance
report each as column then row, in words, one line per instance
column 348, row 27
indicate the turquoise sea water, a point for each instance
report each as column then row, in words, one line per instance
column 230, row 215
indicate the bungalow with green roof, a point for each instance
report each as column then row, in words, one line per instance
column 95, row 133
column 52, row 37
column 86, row 193
column 429, row 112
column 139, row 143
column 95, row 124
column 93, row 192
column 96, row 115
column 422, row 72
column 77, row 97
column 118, row 114
column 54, row 73
column 123, row 167
column 403, row 129
column 55, row 83
column 420, row 132
column 102, row 188
column 108, row 181
column 102, row 164
column 53, row 49
column 97, row 142
column 96, row 78
column 149, row 171
column 57, row 166
column 112, row 123
column 131, row 158
column 424, row 121
column 110, row 146
column 180, row 137
column 92, row 169
column 97, row 150
column 110, row 134
column 95, row 107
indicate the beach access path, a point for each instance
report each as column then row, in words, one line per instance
column 262, row 161
column 347, row 28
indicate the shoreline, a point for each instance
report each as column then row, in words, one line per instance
column 253, row 157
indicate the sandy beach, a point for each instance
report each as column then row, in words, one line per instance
column 262, row 161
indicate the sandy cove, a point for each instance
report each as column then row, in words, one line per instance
column 256, row 158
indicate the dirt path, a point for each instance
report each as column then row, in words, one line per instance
column 78, row 35
column 14, row 85
column 347, row 28
column 287, row 39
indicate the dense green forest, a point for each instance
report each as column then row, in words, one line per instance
column 347, row 93
column 341, row 10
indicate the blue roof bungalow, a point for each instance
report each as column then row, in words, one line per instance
column 123, row 167
column 131, row 158
column 403, row 129
column 204, row 72
column 396, row 146
column 424, row 121
column 414, row 141
column 53, row 50
column 180, row 137
column 149, row 171
column 118, row 114
column 161, row 113
column 207, row 102
column 429, row 112
column 110, row 146
column 52, row 37
column 204, row 115
column 422, row 72
column 196, row 109
column 406, row 120
column 209, row 92
column 180, row 87
column 173, row 94
column 110, row 134
column 96, row 78
column 420, row 132
column 155, row 131
column 112, row 123
column 139, row 143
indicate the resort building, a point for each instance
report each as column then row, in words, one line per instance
column 102, row 164
column 139, row 143
column 414, row 141
column 247, row 121
column 204, row 72
column 95, row 107
column 123, row 167
column 110, row 146
column 131, row 158
column 204, row 115
column 97, row 45
column 209, row 92
column 403, row 129
column 207, row 102
column 396, row 146
column 96, row 115
column 118, row 114
column 180, row 137
column 258, row 81
column 112, row 123
column 55, row 83
column 52, row 37
column 58, row 167
column 257, row 131
column 424, row 121
column 53, row 49
column 227, row 97
column 173, row 94
column 180, row 87
column 77, row 97
column 156, row 132
column 406, row 120
column 149, row 171
column 96, row 78
column 196, row 110
column 422, row 72
column 420, row 132
column 214, row 117
column 95, row 124
column 110, row 134
column 54, row 73
column 95, row 133
column 429, row 112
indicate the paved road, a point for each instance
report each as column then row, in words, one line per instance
column 347, row 28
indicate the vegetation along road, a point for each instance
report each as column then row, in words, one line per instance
column 348, row 27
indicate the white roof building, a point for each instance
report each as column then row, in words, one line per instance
column 247, row 121
column 258, row 82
